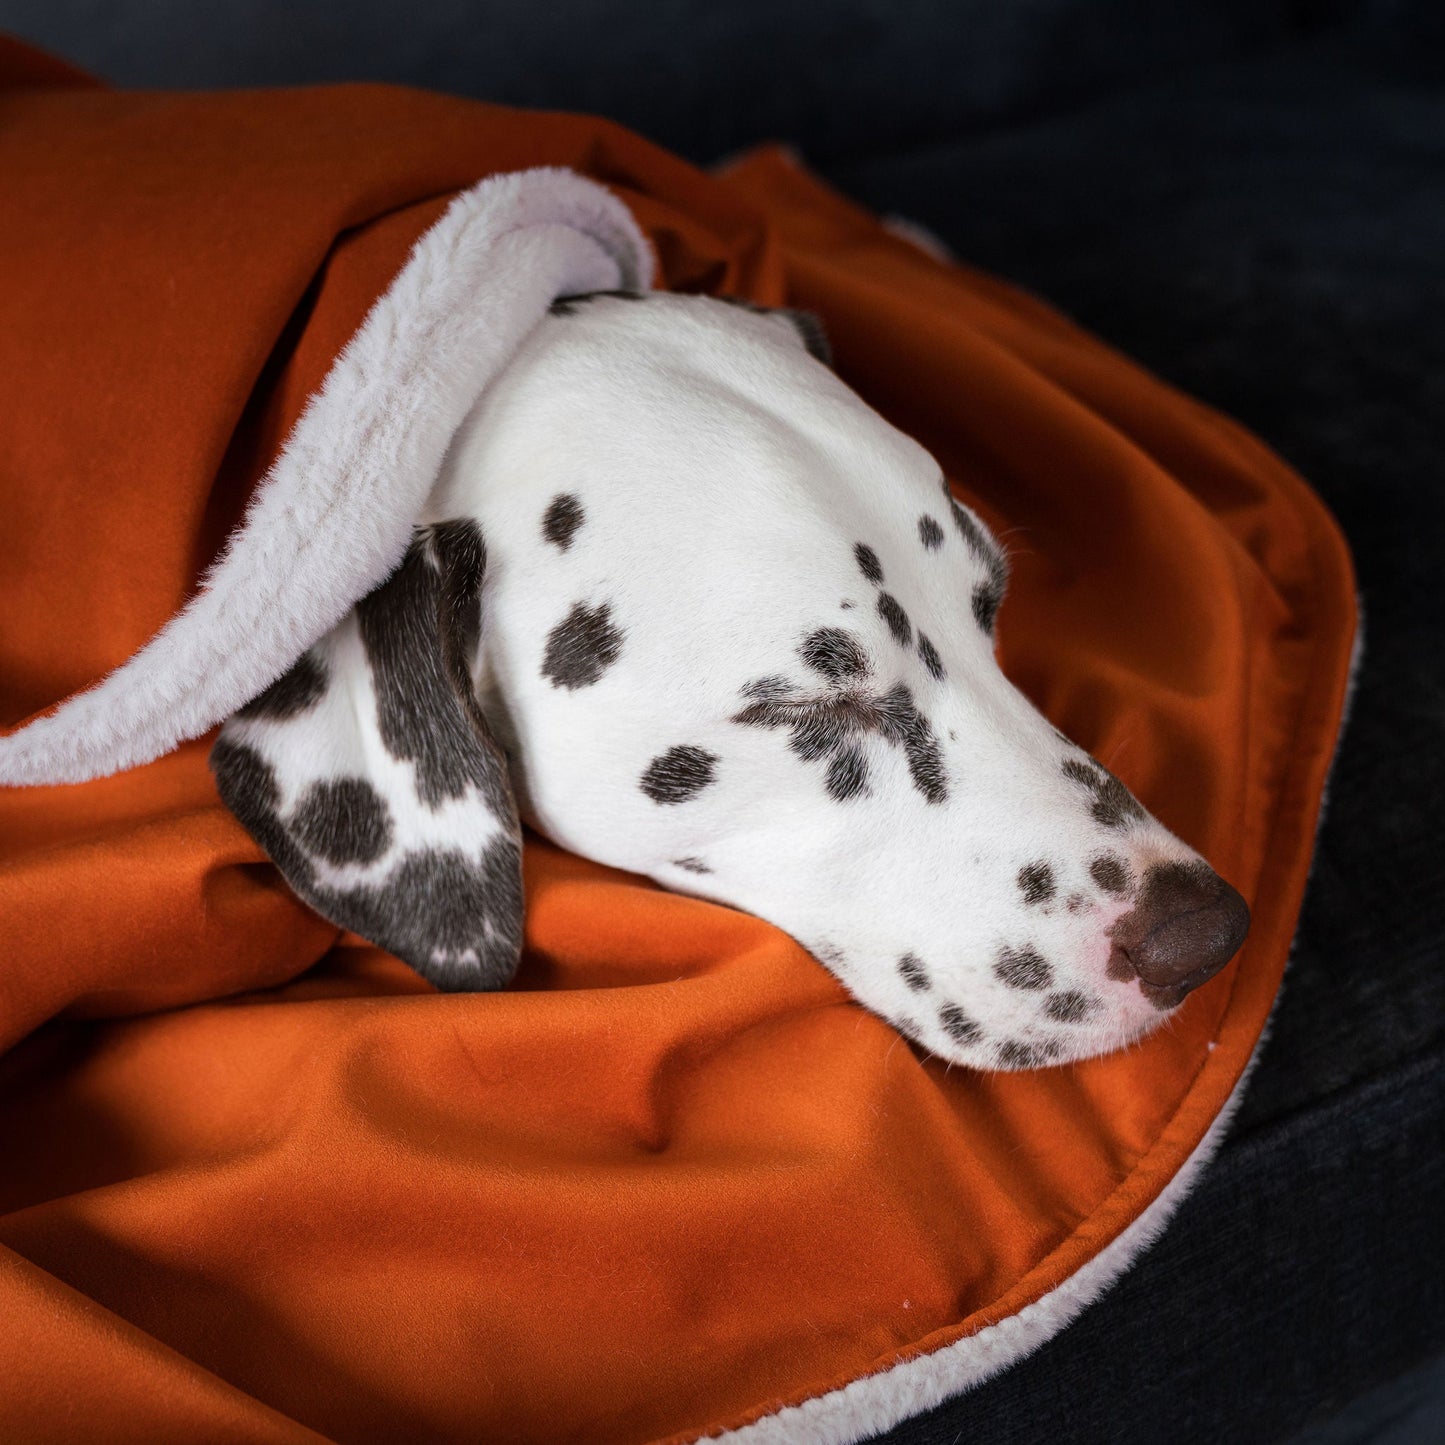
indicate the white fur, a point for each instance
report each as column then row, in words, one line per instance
column 335, row 513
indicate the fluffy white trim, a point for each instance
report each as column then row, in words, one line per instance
column 864, row 1407
column 334, row 515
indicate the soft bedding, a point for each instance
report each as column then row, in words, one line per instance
column 260, row 1182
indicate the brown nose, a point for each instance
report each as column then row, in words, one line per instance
column 1186, row 925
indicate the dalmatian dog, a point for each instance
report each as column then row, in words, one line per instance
column 686, row 605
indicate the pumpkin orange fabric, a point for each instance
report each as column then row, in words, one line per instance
column 259, row 1182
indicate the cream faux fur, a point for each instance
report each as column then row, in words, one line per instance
column 335, row 514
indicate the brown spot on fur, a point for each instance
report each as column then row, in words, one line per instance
column 1110, row 873
column 1024, row 968
column 958, row 1025
column 1036, row 882
column 1070, row 1007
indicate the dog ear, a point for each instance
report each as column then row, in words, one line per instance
column 371, row 778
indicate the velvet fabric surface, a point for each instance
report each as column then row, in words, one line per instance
column 262, row 1183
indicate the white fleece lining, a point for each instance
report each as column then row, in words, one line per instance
column 863, row 1407
column 334, row 515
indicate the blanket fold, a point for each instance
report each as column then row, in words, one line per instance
column 261, row 1182
column 334, row 514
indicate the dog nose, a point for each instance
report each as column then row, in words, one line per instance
column 1187, row 924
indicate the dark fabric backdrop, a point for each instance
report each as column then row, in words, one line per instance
column 1250, row 198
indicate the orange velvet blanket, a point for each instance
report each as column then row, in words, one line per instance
column 258, row 1182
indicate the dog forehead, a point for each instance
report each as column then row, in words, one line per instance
column 692, row 459
column 681, row 402
column 693, row 462
column 652, row 567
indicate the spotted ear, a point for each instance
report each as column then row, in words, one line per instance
column 371, row 778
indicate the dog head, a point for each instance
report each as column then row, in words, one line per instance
column 686, row 604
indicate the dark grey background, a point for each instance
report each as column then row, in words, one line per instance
column 1249, row 197
column 843, row 78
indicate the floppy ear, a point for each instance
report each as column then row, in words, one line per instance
column 370, row 776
